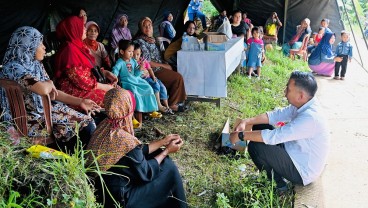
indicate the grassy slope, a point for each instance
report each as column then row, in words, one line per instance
column 204, row 172
column 210, row 180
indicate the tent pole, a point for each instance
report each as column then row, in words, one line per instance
column 286, row 6
column 352, row 32
column 360, row 25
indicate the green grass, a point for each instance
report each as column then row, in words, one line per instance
column 210, row 179
column 32, row 182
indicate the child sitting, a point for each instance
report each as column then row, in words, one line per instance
column 129, row 74
column 319, row 35
column 147, row 74
column 316, row 39
column 344, row 50
column 255, row 52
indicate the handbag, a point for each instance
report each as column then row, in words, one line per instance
column 96, row 71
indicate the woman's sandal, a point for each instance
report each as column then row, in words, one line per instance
column 169, row 111
column 182, row 108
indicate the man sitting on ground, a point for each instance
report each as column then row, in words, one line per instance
column 296, row 151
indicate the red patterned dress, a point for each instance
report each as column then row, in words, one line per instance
column 73, row 63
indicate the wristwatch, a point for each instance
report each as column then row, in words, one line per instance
column 241, row 136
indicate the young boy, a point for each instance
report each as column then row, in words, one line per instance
column 324, row 23
column 344, row 50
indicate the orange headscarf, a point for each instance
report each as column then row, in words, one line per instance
column 114, row 136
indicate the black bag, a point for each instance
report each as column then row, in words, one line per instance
column 96, row 71
column 99, row 75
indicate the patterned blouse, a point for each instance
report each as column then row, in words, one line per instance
column 21, row 66
column 150, row 52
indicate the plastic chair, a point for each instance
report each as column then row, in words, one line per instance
column 14, row 94
column 302, row 51
column 162, row 43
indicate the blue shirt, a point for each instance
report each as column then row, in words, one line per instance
column 305, row 137
column 344, row 48
column 328, row 30
column 194, row 6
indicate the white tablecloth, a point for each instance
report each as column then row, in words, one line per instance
column 205, row 73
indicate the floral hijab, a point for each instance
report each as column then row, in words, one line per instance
column 119, row 32
column 20, row 63
column 114, row 136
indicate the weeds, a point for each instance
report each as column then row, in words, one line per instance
column 215, row 181
column 210, row 180
column 31, row 182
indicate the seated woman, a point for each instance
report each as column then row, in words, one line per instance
column 172, row 80
column 322, row 60
column 73, row 64
column 296, row 41
column 171, row 51
column 219, row 20
column 96, row 49
column 22, row 63
column 272, row 27
column 80, row 12
column 120, row 31
column 238, row 27
column 166, row 28
column 147, row 176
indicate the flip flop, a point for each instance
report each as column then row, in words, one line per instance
column 155, row 114
column 136, row 124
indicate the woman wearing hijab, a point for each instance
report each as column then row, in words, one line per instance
column 73, row 63
column 166, row 28
column 96, row 49
column 142, row 174
column 120, row 31
column 80, row 12
column 296, row 42
column 22, row 63
column 172, row 80
column 322, row 60
column 171, row 51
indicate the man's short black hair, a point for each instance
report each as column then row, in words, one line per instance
column 305, row 81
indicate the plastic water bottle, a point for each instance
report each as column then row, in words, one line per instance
column 185, row 42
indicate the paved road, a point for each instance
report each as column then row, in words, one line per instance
column 345, row 179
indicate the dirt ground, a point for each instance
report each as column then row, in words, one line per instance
column 345, row 178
